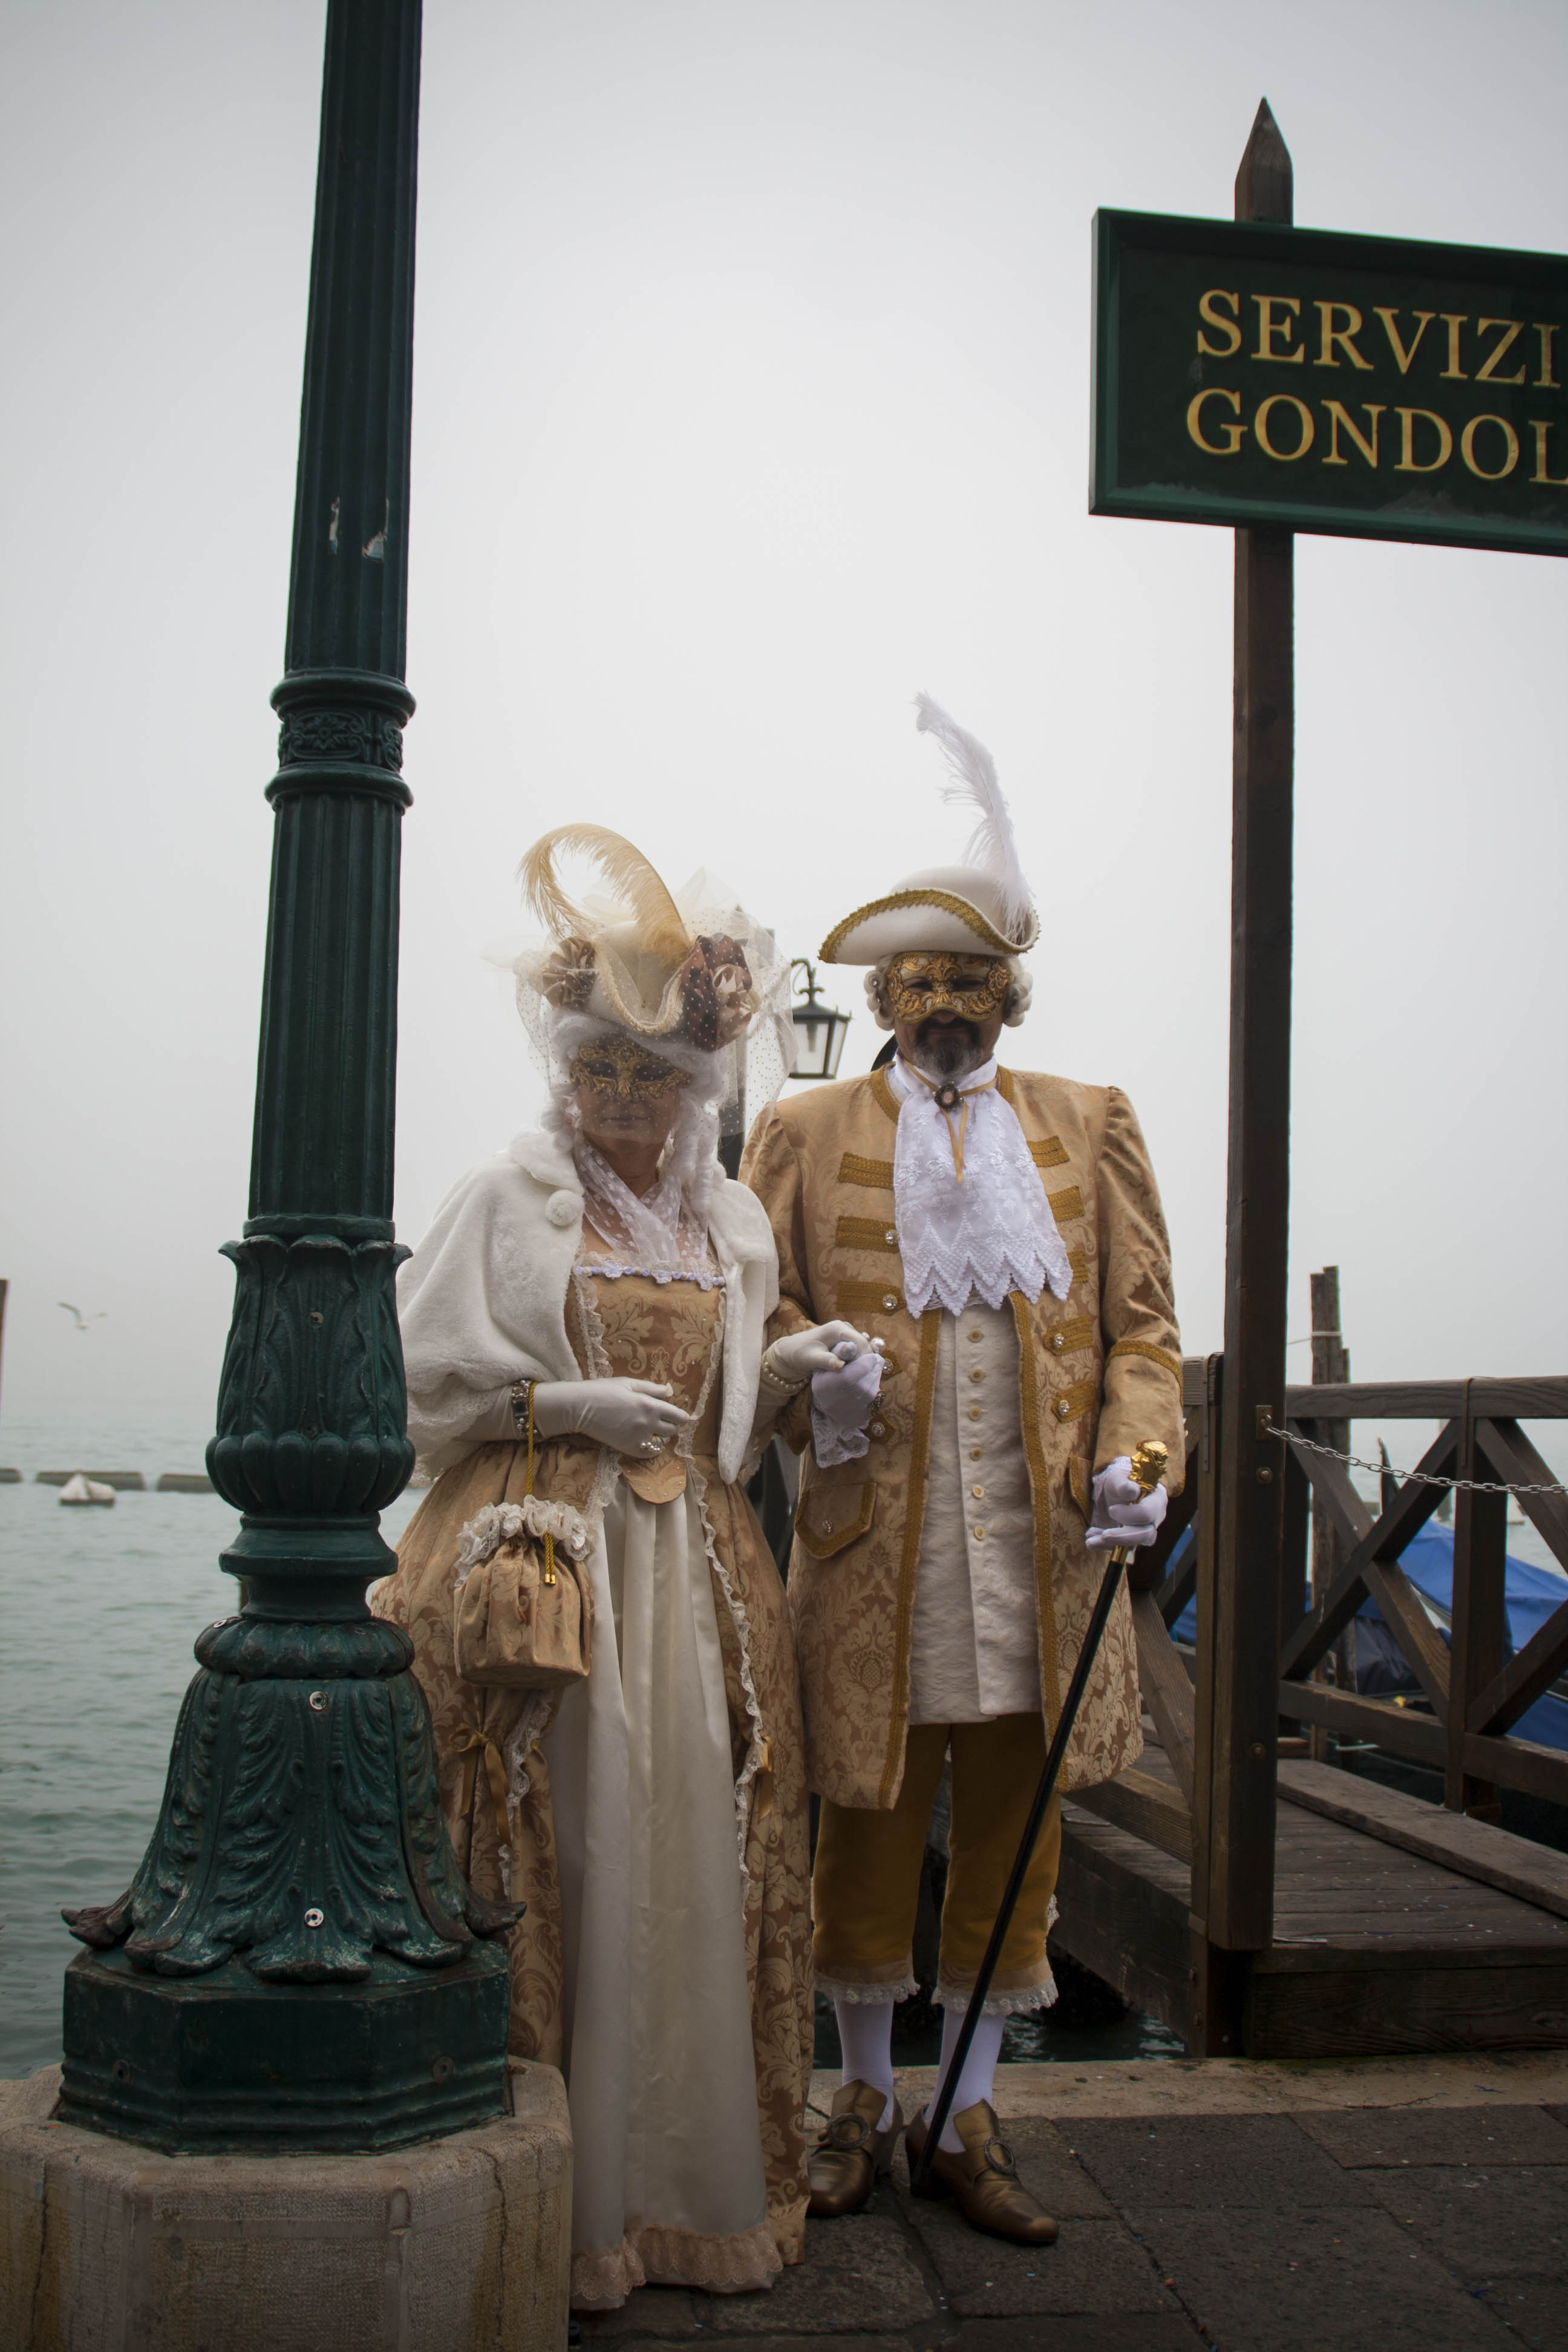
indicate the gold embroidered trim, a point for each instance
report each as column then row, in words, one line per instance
column 1080, row 1398
column 859, row 1297
column 1161, row 1356
column 875, row 1175
column 1078, row 1260
column 914, row 1514
column 1039, row 1493
column 1050, row 1153
column 1076, row 1332
column 1066, row 1204
column 949, row 903
column 886, row 1100
column 866, row 1234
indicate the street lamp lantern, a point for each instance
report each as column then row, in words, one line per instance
column 818, row 1030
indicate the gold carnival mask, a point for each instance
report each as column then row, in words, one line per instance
column 920, row 982
column 620, row 1066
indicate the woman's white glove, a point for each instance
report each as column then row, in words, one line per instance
column 629, row 1416
column 800, row 1355
column 1123, row 1514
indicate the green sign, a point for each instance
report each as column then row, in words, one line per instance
column 1247, row 372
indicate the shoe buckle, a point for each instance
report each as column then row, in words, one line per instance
column 847, row 2132
column 999, row 2157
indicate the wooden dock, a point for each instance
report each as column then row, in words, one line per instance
column 1389, row 1925
column 1376, row 1950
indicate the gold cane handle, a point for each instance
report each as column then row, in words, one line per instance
column 1145, row 1470
column 1148, row 1465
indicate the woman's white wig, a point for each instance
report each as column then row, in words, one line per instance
column 1020, row 989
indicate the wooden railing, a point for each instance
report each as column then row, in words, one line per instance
column 1472, row 1691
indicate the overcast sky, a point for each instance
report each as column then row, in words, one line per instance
column 751, row 397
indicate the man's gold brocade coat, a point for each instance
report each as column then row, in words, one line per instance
column 1098, row 1371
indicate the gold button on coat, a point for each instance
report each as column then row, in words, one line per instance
column 1063, row 1409
column 975, row 1335
column 977, row 1374
column 891, row 1236
column 978, row 1493
column 889, row 1302
column 979, row 1535
column 1058, row 1342
column 975, row 1412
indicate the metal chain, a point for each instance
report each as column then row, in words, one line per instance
column 1410, row 1477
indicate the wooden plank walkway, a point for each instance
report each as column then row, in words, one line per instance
column 1377, row 1949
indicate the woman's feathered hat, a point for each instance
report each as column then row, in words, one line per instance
column 689, row 974
column 983, row 906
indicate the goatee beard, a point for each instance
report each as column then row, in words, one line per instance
column 948, row 1053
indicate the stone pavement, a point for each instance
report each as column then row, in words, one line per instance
column 1398, row 2205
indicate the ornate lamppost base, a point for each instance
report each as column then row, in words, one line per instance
column 223, row 2061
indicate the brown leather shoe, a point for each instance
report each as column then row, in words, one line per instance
column 843, row 2167
column 984, row 2180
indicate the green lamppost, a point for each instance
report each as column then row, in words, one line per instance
column 299, row 1962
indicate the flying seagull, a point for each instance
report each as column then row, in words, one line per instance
column 81, row 1321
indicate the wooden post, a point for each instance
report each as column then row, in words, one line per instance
column 1479, row 1645
column 1331, row 1362
column 1238, row 1899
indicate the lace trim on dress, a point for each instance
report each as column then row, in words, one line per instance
column 736, row 2265
column 656, row 1227
column 698, row 1484
column 602, row 2280
column 704, row 1281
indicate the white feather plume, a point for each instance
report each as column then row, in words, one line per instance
column 993, row 844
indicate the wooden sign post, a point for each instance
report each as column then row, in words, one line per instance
column 1280, row 380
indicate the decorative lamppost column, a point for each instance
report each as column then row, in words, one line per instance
column 299, row 1962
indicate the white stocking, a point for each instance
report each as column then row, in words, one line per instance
column 865, row 2039
column 978, row 2078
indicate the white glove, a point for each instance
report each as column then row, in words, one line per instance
column 1123, row 1514
column 846, row 1388
column 793, row 1360
column 842, row 1397
column 629, row 1416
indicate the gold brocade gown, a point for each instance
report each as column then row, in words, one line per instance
column 671, row 1984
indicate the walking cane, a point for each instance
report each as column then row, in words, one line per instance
column 1146, row 1467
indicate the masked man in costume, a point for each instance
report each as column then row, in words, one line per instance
column 1000, row 1233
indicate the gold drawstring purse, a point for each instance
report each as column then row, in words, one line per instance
column 522, row 1614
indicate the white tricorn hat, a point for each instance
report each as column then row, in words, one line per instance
column 980, row 908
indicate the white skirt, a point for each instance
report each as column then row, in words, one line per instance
column 669, row 2184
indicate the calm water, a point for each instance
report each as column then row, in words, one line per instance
column 97, row 1613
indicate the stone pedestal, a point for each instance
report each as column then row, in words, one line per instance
column 461, row 2244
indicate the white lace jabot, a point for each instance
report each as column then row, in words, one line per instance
column 985, row 1233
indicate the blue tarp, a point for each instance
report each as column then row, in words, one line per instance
column 1533, row 1594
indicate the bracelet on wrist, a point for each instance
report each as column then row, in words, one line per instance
column 777, row 1381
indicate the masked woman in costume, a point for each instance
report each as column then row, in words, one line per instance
column 604, row 1276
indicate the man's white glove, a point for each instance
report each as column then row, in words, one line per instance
column 629, row 1416
column 842, row 1395
column 1123, row 1514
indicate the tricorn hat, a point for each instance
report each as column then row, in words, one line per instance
column 981, row 906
